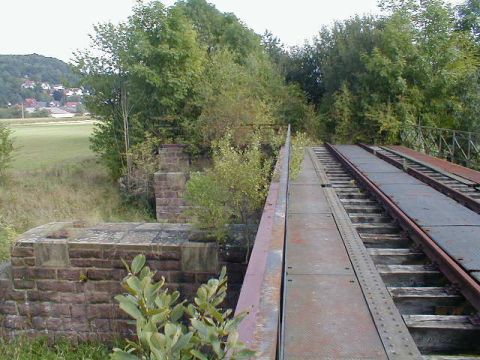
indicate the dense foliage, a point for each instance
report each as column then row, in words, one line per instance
column 15, row 68
column 186, row 73
column 167, row 328
column 233, row 190
column 369, row 76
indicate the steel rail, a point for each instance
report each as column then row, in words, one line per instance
column 460, row 278
column 456, row 195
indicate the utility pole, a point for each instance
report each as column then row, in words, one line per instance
column 23, row 112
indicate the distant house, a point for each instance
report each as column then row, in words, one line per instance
column 72, row 106
column 58, row 87
column 30, row 103
column 46, row 86
column 28, row 84
column 60, row 113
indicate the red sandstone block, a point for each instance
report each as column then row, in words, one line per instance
column 122, row 326
column 23, row 284
column 16, row 322
column 40, row 273
column 165, row 265
column 118, row 254
column 100, row 311
column 91, row 263
column 53, row 324
column 34, row 295
column 39, row 323
column 79, row 312
column 98, row 297
column 112, row 287
column 71, row 298
column 54, row 285
column 164, row 255
column 102, row 325
column 74, row 325
column 105, row 274
column 69, row 274
column 86, row 253
column 15, row 295
column 19, row 272
column 22, row 251
column 8, row 308
column 17, row 261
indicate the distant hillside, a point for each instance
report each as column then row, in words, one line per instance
column 14, row 69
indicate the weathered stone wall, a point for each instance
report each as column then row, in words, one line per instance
column 170, row 184
column 62, row 279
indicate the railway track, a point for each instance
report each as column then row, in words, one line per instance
column 439, row 318
column 462, row 190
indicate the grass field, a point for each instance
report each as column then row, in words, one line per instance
column 56, row 177
column 43, row 145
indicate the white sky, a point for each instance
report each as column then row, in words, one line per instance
column 58, row 27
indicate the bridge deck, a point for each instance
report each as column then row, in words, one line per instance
column 451, row 225
column 445, row 165
column 326, row 315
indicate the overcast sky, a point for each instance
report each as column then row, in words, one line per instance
column 58, row 27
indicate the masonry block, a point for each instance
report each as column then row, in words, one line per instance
column 52, row 254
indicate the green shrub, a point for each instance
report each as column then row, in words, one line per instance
column 299, row 142
column 160, row 320
column 233, row 191
column 6, row 148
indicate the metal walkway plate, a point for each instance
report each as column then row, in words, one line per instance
column 326, row 314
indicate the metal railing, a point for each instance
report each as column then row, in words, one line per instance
column 461, row 147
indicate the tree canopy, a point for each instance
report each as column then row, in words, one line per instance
column 369, row 76
column 187, row 73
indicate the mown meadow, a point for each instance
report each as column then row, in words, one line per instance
column 54, row 176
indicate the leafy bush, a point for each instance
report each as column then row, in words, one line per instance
column 233, row 190
column 299, row 142
column 6, row 148
column 161, row 320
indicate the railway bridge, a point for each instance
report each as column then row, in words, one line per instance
column 370, row 253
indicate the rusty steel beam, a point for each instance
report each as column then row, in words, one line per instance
column 469, row 287
column 463, row 199
column 262, row 287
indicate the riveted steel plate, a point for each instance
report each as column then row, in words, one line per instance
column 429, row 207
column 462, row 243
column 393, row 178
column 327, row 318
column 456, row 169
column 315, row 246
column 307, row 199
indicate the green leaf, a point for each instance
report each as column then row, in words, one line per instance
column 198, row 354
column 122, row 355
column 138, row 263
column 182, row 342
column 127, row 305
column 177, row 312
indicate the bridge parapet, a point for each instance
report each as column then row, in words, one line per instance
column 261, row 290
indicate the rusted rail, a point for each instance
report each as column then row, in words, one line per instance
column 469, row 287
column 466, row 200
column 262, row 286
